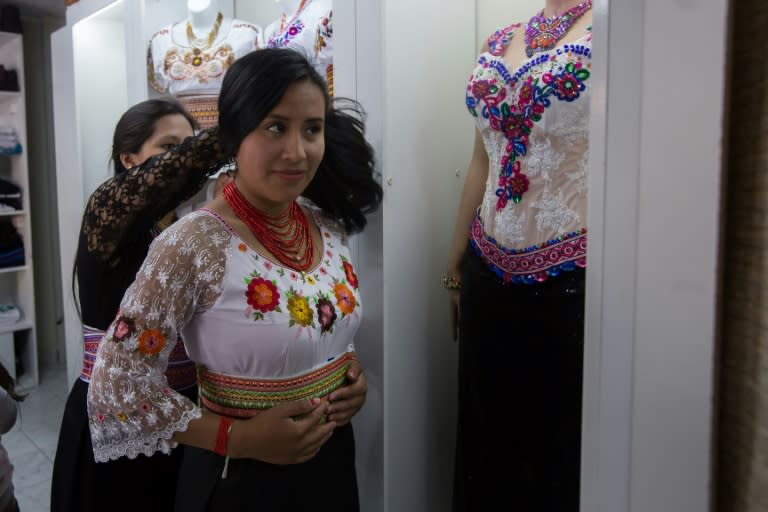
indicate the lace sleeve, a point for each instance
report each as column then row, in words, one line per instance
column 131, row 202
column 131, row 408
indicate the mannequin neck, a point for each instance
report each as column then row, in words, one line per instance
column 289, row 6
column 202, row 14
column 558, row 7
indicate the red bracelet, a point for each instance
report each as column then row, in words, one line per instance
column 222, row 436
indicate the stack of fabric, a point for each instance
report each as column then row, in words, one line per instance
column 11, row 246
column 9, row 141
column 9, row 314
column 10, row 196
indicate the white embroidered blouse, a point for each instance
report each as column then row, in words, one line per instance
column 534, row 121
column 177, row 67
column 240, row 314
column 309, row 31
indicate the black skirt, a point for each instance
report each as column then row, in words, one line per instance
column 80, row 484
column 520, row 382
column 327, row 482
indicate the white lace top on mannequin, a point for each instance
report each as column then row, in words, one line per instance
column 254, row 327
column 185, row 65
column 534, row 121
column 307, row 27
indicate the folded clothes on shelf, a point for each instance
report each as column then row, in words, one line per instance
column 9, row 314
column 11, row 246
column 9, row 79
column 10, row 196
column 9, row 141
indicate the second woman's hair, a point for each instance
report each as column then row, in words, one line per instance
column 344, row 186
column 137, row 125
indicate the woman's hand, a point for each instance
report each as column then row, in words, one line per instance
column 346, row 401
column 290, row 433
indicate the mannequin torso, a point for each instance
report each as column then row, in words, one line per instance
column 189, row 58
column 306, row 26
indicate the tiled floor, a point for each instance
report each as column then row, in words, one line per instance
column 31, row 444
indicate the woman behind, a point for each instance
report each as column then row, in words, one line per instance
column 8, row 411
column 517, row 273
column 121, row 219
column 261, row 288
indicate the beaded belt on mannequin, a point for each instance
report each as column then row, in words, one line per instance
column 203, row 107
column 181, row 373
column 242, row 397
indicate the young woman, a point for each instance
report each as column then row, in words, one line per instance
column 516, row 267
column 260, row 286
column 158, row 164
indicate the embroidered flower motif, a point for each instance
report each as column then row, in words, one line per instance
column 298, row 307
column 350, row 273
column 326, row 314
column 267, row 265
column 322, row 271
column 262, row 295
column 100, row 418
column 294, row 276
column 242, row 247
column 145, row 407
column 329, row 254
column 344, row 298
column 309, row 279
column 151, row 341
column 124, row 327
column 122, row 416
column 482, row 88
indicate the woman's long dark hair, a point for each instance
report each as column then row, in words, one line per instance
column 344, row 186
column 135, row 126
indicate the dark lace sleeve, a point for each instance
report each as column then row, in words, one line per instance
column 133, row 201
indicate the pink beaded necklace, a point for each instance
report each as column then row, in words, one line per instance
column 542, row 34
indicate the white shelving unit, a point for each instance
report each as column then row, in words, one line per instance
column 18, row 343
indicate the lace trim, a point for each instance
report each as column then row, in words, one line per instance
column 145, row 443
column 533, row 264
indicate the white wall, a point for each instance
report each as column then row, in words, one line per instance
column 427, row 142
column 260, row 12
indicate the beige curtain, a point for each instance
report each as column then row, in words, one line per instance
column 741, row 442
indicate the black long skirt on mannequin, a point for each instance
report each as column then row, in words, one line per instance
column 520, row 382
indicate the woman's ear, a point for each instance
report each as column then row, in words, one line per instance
column 127, row 160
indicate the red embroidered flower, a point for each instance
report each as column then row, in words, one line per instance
column 151, row 341
column 326, row 314
column 350, row 273
column 242, row 247
column 145, row 407
column 344, row 298
column 262, row 295
column 481, row 88
column 267, row 265
column 124, row 327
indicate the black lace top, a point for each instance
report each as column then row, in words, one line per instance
column 119, row 217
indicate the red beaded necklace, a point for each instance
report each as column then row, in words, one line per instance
column 286, row 236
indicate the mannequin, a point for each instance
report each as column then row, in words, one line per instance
column 188, row 59
column 515, row 273
column 306, row 26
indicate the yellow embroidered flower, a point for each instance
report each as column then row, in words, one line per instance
column 310, row 279
column 300, row 311
column 121, row 416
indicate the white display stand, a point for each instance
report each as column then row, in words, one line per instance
column 17, row 283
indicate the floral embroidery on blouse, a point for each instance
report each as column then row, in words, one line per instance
column 262, row 296
column 282, row 39
column 515, row 118
column 345, row 299
column 326, row 312
column 299, row 309
column 349, row 271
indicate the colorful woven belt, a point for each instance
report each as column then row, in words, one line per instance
column 181, row 372
column 242, row 397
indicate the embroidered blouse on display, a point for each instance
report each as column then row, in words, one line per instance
column 194, row 75
column 311, row 32
column 534, row 121
column 249, row 323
